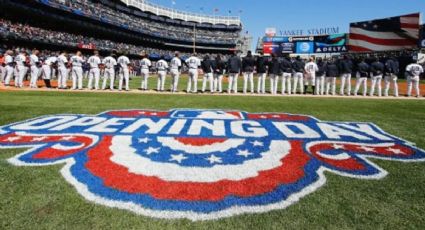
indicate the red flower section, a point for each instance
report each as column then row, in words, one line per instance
column 138, row 113
column 193, row 141
column 278, row 117
column 118, row 177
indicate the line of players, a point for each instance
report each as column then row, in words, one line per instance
column 295, row 75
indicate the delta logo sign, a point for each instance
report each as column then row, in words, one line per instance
column 201, row 164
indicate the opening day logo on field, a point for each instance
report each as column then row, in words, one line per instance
column 201, row 164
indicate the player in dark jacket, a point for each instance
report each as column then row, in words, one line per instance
column 207, row 66
column 363, row 70
column 274, row 73
column 332, row 72
column 234, row 65
column 298, row 67
column 377, row 70
column 248, row 67
column 391, row 72
column 219, row 69
column 320, row 77
column 261, row 68
column 287, row 71
column 345, row 69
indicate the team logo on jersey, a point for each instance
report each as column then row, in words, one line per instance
column 201, row 164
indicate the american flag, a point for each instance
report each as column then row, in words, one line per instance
column 395, row 33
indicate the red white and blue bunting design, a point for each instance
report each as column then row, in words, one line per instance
column 201, row 164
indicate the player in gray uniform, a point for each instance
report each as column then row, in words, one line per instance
column 94, row 73
column 161, row 67
column 8, row 61
column 175, row 66
column 194, row 63
column 413, row 72
column 145, row 64
column 35, row 68
column 63, row 70
column 20, row 69
column 77, row 71
column 124, row 73
column 109, row 73
column 2, row 68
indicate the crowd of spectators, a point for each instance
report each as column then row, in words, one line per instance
column 30, row 33
column 105, row 13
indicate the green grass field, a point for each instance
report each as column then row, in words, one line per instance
column 40, row 198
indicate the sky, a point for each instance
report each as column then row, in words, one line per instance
column 257, row 15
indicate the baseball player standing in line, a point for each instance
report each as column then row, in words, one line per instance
column 274, row 73
column 2, row 68
column 194, row 63
column 124, row 73
column 77, row 71
column 175, row 66
column 413, row 72
column 261, row 69
column 47, row 70
column 161, row 67
column 320, row 77
column 298, row 67
column 8, row 60
column 345, row 68
column 234, row 65
column 332, row 72
column 63, row 70
column 220, row 68
column 21, row 69
column 109, row 73
column 145, row 64
column 376, row 69
column 34, row 67
column 391, row 72
column 207, row 68
column 248, row 66
column 363, row 71
column 94, row 62
column 287, row 71
column 310, row 76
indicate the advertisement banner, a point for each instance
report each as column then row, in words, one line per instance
column 336, row 43
column 89, row 46
column 422, row 40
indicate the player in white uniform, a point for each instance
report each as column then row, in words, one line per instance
column 124, row 73
column 94, row 62
column 63, row 70
column 310, row 77
column 145, row 64
column 35, row 70
column 194, row 63
column 175, row 66
column 47, row 70
column 8, row 61
column 20, row 69
column 413, row 72
column 77, row 71
column 109, row 74
column 161, row 67
column 2, row 68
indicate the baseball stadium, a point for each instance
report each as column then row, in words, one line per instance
column 184, row 114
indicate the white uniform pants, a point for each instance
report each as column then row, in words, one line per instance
column 145, row 77
column 21, row 71
column 388, row 80
column 286, row 83
column 109, row 74
column 9, row 74
column 193, row 79
column 413, row 82
column 310, row 79
column 248, row 78
column 218, row 83
column 376, row 83
column 124, row 74
column 63, row 77
column 298, row 79
column 34, row 76
column 161, row 80
column 175, row 76
column 330, row 85
column 94, row 74
column 361, row 81
column 320, row 85
column 261, row 88
column 2, row 73
column 274, row 80
column 345, row 82
column 233, row 83
column 208, row 78
column 77, row 78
